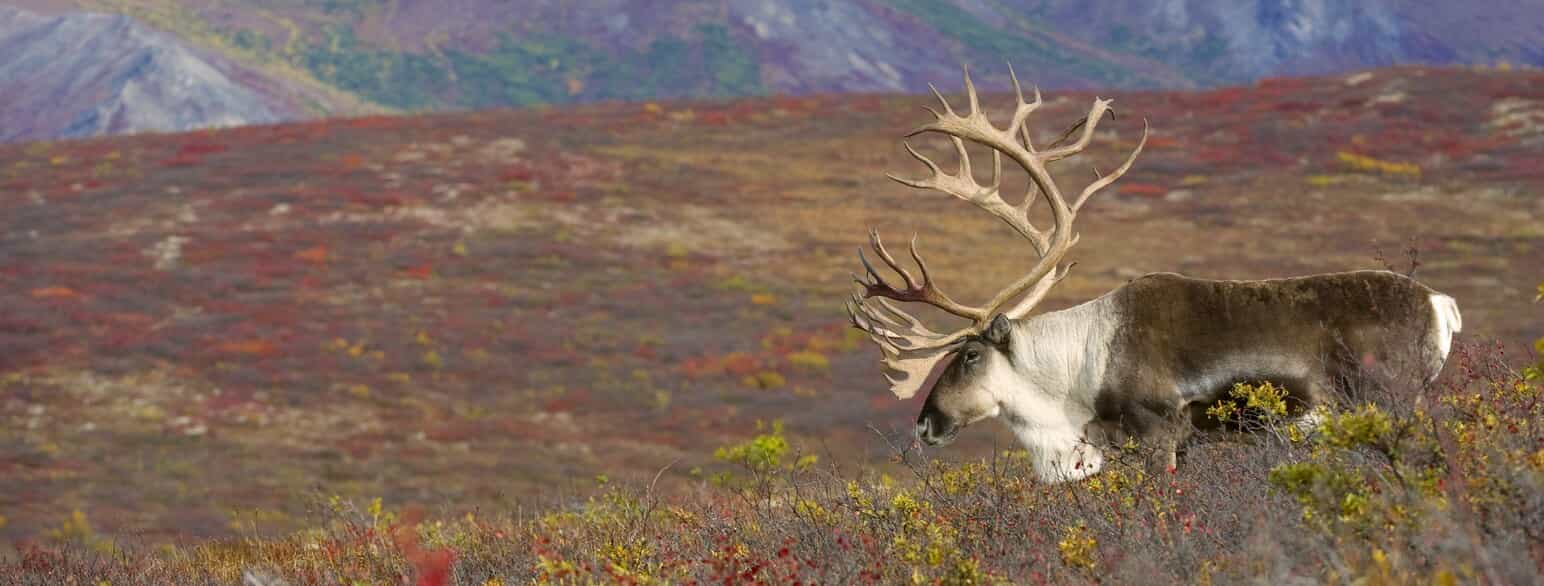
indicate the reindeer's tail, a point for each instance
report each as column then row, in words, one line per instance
column 1446, row 322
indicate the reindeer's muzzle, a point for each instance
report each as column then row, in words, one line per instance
column 934, row 429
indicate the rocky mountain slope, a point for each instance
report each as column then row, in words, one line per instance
column 88, row 74
column 352, row 56
column 1209, row 42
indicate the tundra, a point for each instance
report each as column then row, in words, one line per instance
column 1144, row 360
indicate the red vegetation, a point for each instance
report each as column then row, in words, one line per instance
column 1142, row 189
column 288, row 270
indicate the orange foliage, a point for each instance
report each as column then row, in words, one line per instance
column 739, row 364
column 130, row 318
column 421, row 272
column 250, row 347
column 55, row 292
column 314, row 255
column 1143, row 189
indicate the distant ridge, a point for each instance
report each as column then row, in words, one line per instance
column 83, row 74
column 323, row 58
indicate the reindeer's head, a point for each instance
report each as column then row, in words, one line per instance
column 971, row 386
column 974, row 382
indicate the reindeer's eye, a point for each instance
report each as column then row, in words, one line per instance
column 971, row 356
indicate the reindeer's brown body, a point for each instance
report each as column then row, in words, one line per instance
column 1181, row 343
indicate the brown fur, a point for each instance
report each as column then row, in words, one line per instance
column 1183, row 342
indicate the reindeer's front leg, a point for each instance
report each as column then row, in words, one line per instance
column 1104, row 434
column 1158, row 429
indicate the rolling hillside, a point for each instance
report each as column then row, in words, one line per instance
column 348, row 57
column 478, row 310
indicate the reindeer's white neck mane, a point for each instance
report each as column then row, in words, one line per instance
column 1059, row 361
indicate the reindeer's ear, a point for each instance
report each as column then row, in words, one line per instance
column 998, row 332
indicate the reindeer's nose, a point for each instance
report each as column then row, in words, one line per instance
column 934, row 428
column 925, row 428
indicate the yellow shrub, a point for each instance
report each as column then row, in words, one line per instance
column 766, row 379
column 809, row 361
column 1078, row 547
column 1265, row 402
column 761, row 453
column 1366, row 163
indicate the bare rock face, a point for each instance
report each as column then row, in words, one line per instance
column 1230, row 41
column 80, row 75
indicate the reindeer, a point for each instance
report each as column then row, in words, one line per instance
column 1144, row 360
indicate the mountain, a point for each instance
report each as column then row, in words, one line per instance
column 74, row 74
column 1211, row 42
column 87, row 74
column 427, row 55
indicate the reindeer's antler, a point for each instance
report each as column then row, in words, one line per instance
column 911, row 350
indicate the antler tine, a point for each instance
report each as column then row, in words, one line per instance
column 1018, row 90
column 1091, row 122
column 901, row 332
column 879, row 247
column 863, row 319
column 874, row 278
column 907, row 367
column 923, row 291
column 937, row 94
column 1033, row 192
column 1038, row 293
column 997, row 172
column 970, row 95
column 911, row 322
column 917, row 183
column 1021, row 109
column 894, row 322
column 917, row 258
column 965, row 170
column 1106, row 180
column 1066, row 134
column 910, row 335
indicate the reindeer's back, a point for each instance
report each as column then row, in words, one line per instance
column 1205, row 333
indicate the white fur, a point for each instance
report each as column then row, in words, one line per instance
column 1238, row 367
column 1047, row 394
column 1447, row 322
column 1310, row 421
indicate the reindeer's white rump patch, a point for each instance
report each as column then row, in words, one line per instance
column 1447, row 321
column 1244, row 365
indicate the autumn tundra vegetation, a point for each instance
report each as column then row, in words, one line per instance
column 570, row 345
